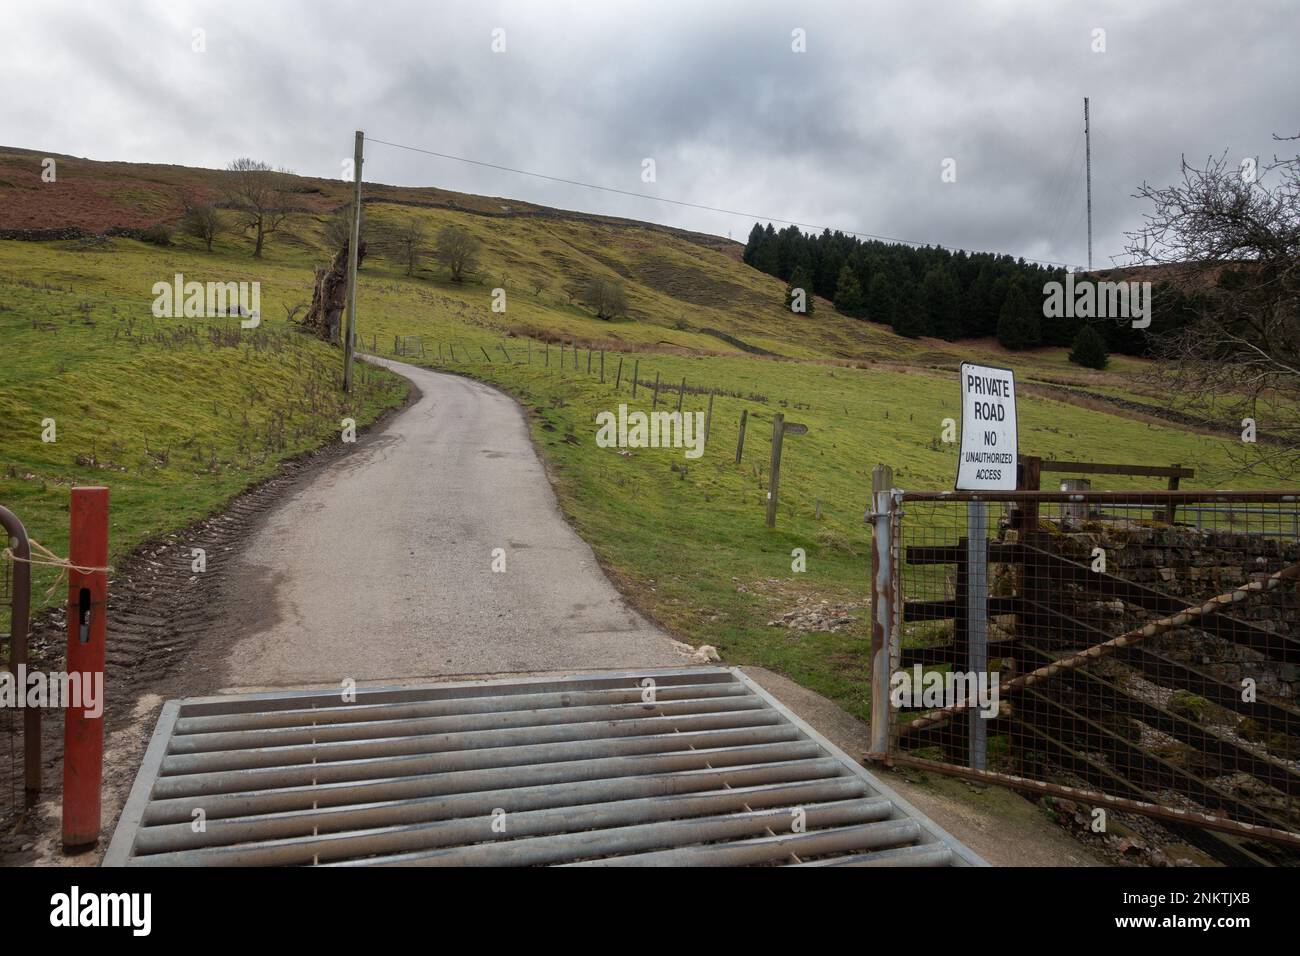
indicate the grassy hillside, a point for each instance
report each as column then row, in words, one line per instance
column 175, row 416
column 686, row 538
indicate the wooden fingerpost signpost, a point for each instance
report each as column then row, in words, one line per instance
column 988, row 461
column 780, row 428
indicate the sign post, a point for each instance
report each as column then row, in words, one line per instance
column 988, row 429
column 780, row 428
column 989, row 449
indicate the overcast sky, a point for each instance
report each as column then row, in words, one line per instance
column 852, row 133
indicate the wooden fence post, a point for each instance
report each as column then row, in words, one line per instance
column 636, row 373
column 619, row 379
column 602, row 366
column 740, row 442
column 708, row 420
column 774, row 477
column 681, row 393
column 1173, row 486
column 655, row 403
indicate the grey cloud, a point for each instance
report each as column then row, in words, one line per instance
column 850, row 134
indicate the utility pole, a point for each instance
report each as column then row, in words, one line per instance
column 350, row 333
column 1087, row 153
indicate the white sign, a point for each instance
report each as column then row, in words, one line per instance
column 988, row 429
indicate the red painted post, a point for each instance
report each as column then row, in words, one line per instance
column 83, row 732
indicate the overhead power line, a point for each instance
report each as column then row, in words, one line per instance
column 693, row 205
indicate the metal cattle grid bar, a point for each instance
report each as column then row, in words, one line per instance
column 682, row 766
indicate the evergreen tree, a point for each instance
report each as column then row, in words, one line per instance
column 766, row 256
column 752, row 246
column 909, row 315
column 1059, row 330
column 979, row 305
column 881, row 302
column 1018, row 326
column 848, row 293
column 931, row 291
column 1089, row 349
column 828, row 273
column 789, row 251
column 939, row 299
column 799, row 280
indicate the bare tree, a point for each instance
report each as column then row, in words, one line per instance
column 1238, row 358
column 202, row 221
column 338, row 228
column 606, row 297
column 256, row 194
column 408, row 243
column 457, row 250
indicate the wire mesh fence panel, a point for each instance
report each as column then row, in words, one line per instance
column 408, row 345
column 9, row 794
column 22, row 726
column 1144, row 646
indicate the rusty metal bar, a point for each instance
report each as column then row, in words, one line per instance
column 1209, row 821
column 1152, row 715
column 1127, row 639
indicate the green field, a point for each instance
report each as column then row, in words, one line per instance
column 178, row 415
column 175, row 416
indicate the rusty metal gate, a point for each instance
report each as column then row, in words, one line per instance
column 1139, row 651
column 15, row 619
column 686, row 766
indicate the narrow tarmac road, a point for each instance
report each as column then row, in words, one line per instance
column 381, row 567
